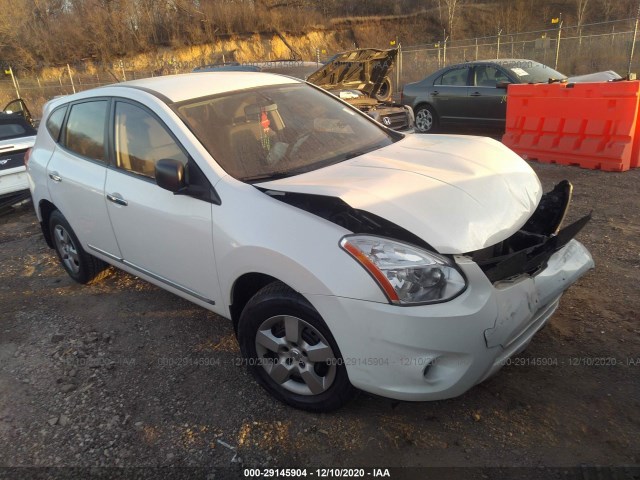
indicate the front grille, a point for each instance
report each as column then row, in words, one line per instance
column 12, row 160
column 398, row 120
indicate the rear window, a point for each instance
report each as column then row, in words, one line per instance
column 14, row 126
column 11, row 130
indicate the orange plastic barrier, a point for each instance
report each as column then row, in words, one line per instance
column 592, row 125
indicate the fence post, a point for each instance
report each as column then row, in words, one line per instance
column 613, row 35
column 444, row 52
column 555, row 67
column 633, row 43
column 15, row 84
column 73, row 87
column 498, row 49
column 399, row 69
column 476, row 48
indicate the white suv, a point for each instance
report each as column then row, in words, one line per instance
column 348, row 256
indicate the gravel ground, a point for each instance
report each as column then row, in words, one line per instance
column 125, row 374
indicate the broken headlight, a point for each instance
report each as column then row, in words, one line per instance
column 408, row 275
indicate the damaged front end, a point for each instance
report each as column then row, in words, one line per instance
column 528, row 250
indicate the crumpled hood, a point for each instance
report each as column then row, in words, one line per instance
column 362, row 69
column 458, row 193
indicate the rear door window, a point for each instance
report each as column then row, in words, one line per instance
column 85, row 130
column 456, row 77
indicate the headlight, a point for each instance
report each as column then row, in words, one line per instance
column 408, row 275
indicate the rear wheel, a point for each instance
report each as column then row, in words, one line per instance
column 291, row 352
column 80, row 266
column 426, row 119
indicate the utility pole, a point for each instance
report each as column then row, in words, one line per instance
column 555, row 67
column 633, row 43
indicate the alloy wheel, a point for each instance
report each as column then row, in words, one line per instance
column 295, row 355
column 67, row 249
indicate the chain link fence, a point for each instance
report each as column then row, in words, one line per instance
column 571, row 50
column 590, row 48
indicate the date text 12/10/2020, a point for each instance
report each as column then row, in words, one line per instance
column 318, row 472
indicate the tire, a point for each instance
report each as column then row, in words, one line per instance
column 426, row 119
column 277, row 330
column 385, row 92
column 80, row 266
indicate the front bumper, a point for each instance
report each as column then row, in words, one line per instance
column 439, row 351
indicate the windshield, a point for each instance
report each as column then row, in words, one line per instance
column 279, row 131
column 531, row 72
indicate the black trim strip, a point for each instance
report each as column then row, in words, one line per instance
column 155, row 276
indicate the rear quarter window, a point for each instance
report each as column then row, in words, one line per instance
column 54, row 122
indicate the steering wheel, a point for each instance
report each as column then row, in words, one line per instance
column 297, row 143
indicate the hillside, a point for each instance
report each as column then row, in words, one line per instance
column 41, row 33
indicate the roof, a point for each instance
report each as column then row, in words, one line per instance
column 193, row 85
column 499, row 61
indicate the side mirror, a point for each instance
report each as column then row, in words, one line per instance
column 502, row 84
column 170, row 174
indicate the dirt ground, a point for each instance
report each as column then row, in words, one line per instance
column 124, row 374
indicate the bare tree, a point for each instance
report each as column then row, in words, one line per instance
column 451, row 8
column 581, row 11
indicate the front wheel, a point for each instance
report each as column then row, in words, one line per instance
column 426, row 119
column 290, row 351
column 80, row 266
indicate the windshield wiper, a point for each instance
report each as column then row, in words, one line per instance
column 364, row 151
column 267, row 176
column 355, row 154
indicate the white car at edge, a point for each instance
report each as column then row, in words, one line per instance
column 347, row 255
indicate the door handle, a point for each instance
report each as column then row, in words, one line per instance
column 476, row 94
column 55, row 177
column 435, row 93
column 117, row 199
